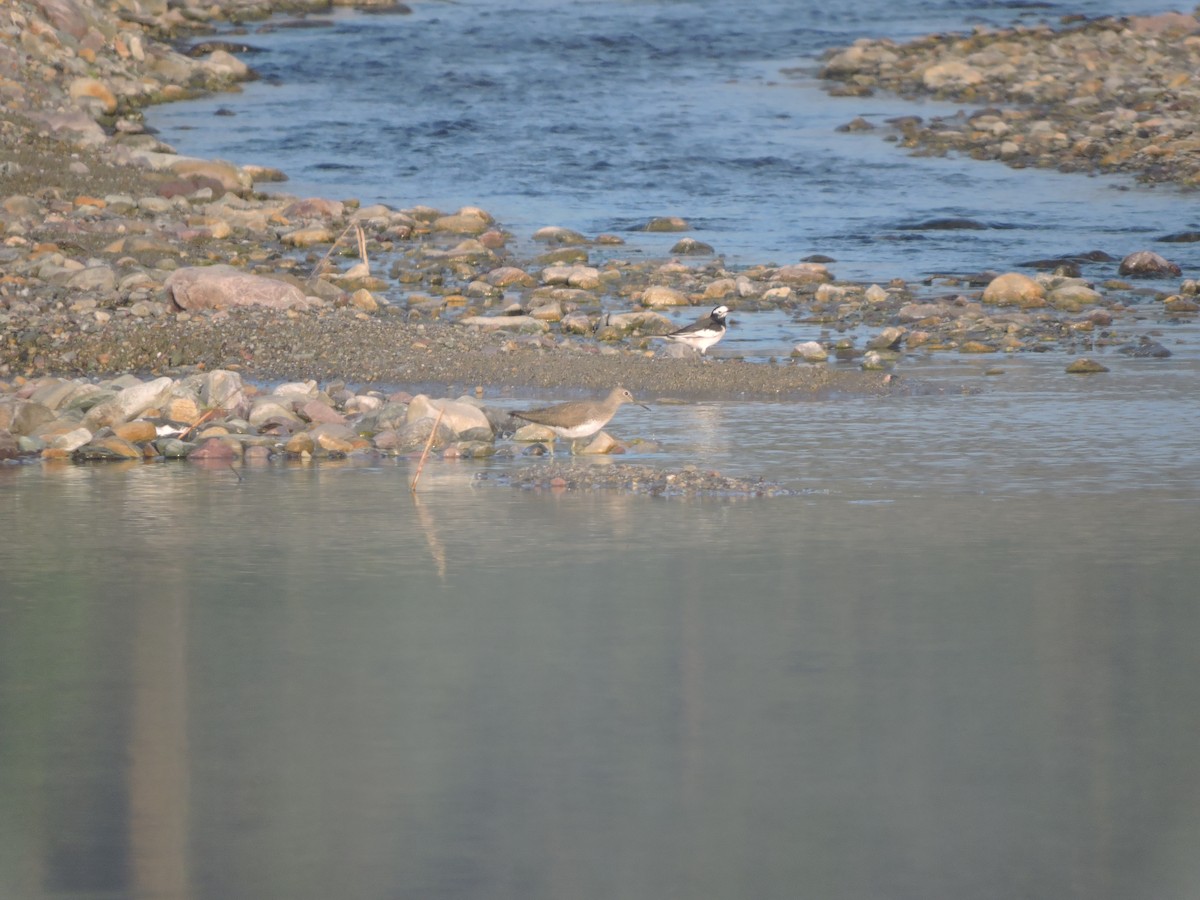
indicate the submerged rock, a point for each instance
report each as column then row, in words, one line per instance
column 1148, row 264
column 689, row 481
column 1086, row 366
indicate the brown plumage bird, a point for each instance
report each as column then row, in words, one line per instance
column 578, row 418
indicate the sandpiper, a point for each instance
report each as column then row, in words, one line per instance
column 578, row 418
column 702, row 333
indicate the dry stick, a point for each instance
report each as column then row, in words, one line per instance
column 425, row 452
column 200, row 421
column 362, row 248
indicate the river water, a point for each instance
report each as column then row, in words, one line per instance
column 599, row 116
column 960, row 660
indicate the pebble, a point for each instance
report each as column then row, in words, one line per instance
column 178, row 268
column 127, row 419
column 652, row 481
column 1107, row 95
column 811, row 351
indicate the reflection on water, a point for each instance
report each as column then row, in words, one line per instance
column 928, row 682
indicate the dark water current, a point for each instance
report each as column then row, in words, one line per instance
column 598, row 116
column 960, row 662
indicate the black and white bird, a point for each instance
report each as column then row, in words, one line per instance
column 702, row 333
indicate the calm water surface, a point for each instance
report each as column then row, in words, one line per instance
column 961, row 661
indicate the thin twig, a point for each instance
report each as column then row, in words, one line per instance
column 324, row 259
column 362, row 247
column 425, row 452
column 200, row 421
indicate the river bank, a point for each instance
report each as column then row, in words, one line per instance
column 1115, row 95
column 103, row 223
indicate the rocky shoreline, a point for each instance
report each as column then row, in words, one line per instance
column 125, row 265
column 1114, row 95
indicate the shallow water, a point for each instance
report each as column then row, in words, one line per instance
column 960, row 661
column 601, row 117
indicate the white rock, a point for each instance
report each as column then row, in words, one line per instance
column 950, row 74
column 873, row 360
column 304, row 389
column 219, row 388
column 456, row 414
column 71, row 440
column 876, row 294
column 129, row 403
column 506, row 323
column 811, row 351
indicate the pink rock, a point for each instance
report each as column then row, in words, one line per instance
column 1165, row 23
column 322, row 413
column 229, row 176
column 221, row 287
column 214, row 448
column 388, row 440
column 802, row 273
column 493, row 239
column 315, row 208
column 65, row 15
column 82, row 127
column 184, row 187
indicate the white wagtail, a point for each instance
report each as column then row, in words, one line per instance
column 702, row 333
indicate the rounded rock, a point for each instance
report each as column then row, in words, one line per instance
column 667, row 223
column 1014, row 289
column 90, row 90
column 811, row 351
column 1148, row 264
column 660, row 295
column 692, row 247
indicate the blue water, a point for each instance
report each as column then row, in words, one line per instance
column 600, row 116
